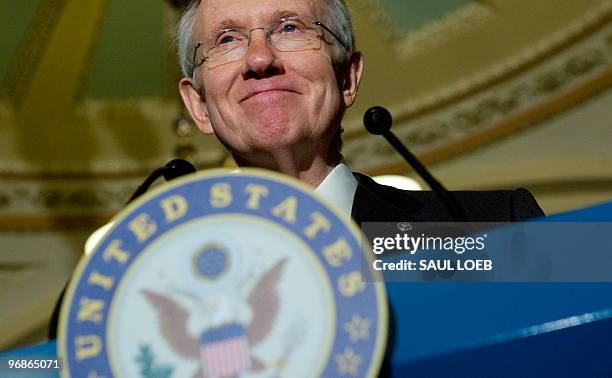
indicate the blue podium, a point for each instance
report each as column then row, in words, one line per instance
column 481, row 329
column 504, row 329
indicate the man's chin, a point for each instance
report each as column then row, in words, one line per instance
column 269, row 150
column 273, row 145
column 273, row 129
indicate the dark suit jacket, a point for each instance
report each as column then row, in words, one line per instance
column 379, row 203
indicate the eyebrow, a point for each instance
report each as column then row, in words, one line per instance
column 230, row 23
column 225, row 24
column 284, row 13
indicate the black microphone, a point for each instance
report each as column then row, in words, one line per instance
column 173, row 169
column 176, row 168
column 378, row 121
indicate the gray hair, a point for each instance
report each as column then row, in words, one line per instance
column 336, row 16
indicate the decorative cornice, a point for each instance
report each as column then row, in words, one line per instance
column 35, row 204
column 583, row 69
column 67, row 196
column 558, row 43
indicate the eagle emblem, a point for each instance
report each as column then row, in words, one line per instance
column 224, row 350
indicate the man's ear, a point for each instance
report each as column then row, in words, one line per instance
column 196, row 105
column 352, row 78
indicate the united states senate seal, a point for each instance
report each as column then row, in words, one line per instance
column 220, row 274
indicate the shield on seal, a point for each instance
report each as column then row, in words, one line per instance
column 225, row 350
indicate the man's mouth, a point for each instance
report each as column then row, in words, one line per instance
column 267, row 91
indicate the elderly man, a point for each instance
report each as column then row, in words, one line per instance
column 272, row 79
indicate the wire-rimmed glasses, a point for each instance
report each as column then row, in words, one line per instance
column 286, row 34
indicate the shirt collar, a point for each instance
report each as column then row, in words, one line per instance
column 339, row 188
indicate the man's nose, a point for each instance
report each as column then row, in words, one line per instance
column 261, row 59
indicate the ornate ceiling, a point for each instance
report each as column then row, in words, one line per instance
column 88, row 102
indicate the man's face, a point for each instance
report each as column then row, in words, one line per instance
column 267, row 100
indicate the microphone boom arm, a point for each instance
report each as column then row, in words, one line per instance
column 378, row 121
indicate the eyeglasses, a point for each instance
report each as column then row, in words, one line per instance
column 286, row 35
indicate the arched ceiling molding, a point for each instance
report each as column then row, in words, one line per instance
column 544, row 89
column 592, row 23
column 61, row 65
column 24, row 63
column 43, row 115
